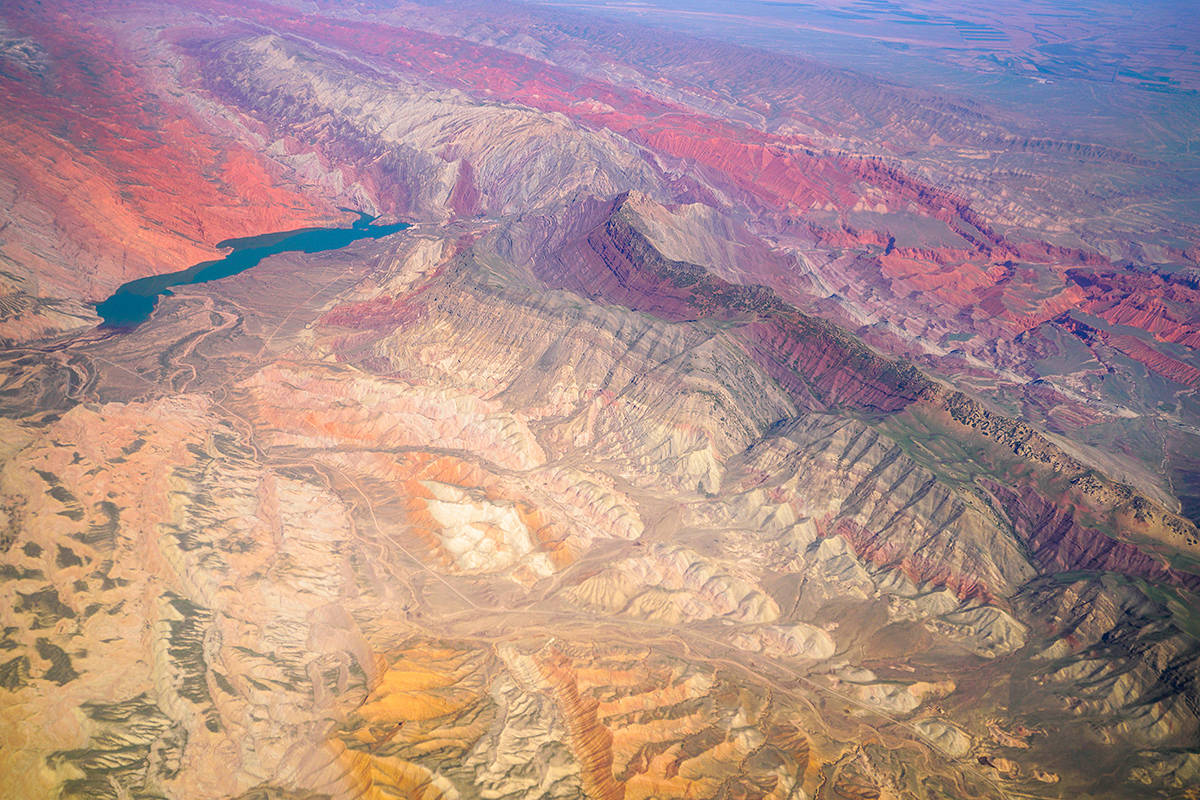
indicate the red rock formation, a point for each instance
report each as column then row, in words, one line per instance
column 881, row 551
column 1155, row 360
column 1170, row 368
column 1060, row 543
column 135, row 179
column 810, row 357
column 1164, row 305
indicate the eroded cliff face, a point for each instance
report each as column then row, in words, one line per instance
column 630, row 470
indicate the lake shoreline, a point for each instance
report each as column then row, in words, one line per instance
column 133, row 302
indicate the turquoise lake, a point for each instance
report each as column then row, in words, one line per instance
column 133, row 302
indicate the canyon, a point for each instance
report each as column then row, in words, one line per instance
column 696, row 417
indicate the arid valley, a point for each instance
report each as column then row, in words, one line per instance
column 607, row 400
